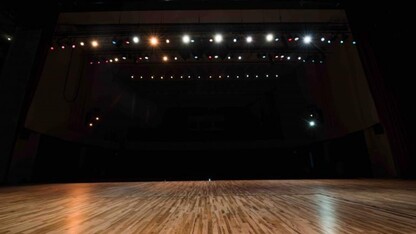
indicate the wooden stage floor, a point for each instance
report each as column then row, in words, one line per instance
column 270, row 206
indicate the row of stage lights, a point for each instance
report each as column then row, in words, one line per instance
column 197, row 77
column 155, row 41
column 166, row 59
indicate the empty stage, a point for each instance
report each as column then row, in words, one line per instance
column 274, row 206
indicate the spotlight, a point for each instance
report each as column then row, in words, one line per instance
column 94, row 43
column 216, row 56
column 136, row 39
column 165, row 58
column 239, row 57
column 124, row 58
column 153, row 41
column 354, row 42
column 299, row 58
column 111, row 60
column 218, row 38
column 52, row 48
column 9, row 38
column 322, row 39
column 249, row 39
column 116, row 59
column 307, row 39
column 145, row 57
column 269, row 37
column 341, row 41
column 267, row 75
column 114, row 42
column 235, row 40
column 312, row 123
column 167, row 41
column 296, row 38
column 186, row 39
column 127, row 41
column 97, row 118
column 277, row 39
column 73, row 46
column 176, row 58
column 195, row 57
column 90, row 124
column 210, row 40
column 288, row 57
column 132, row 76
column 229, row 57
column 63, row 47
column 329, row 41
column 81, row 43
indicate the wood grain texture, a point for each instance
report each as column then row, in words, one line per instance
column 274, row 206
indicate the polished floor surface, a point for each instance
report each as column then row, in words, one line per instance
column 270, row 206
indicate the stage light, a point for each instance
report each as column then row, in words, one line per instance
column 9, row 38
column 290, row 39
column 307, row 39
column 52, row 48
column 161, row 77
column 312, row 123
column 189, row 77
column 199, row 77
column 73, row 46
column 81, row 43
column 257, row 76
column 141, row 77
column 229, row 57
column 181, row 77
column 136, row 39
column 114, row 42
column 186, row 39
column 321, row 61
column 264, row 56
column 249, row 39
column 171, row 77
column 152, row 77
column 282, row 56
column 277, row 75
column 192, row 40
column 98, row 62
column 239, row 57
column 216, row 56
column 228, row 76
column 97, row 118
column 94, row 43
column 132, row 76
column 145, row 57
column 329, row 41
column 299, row 58
column 288, row 57
column 269, row 37
column 322, row 39
column 304, row 61
column 127, row 42
column 195, row 57
column 354, row 42
column 63, row 47
column 111, row 60
column 124, row 58
column 176, row 58
column 167, row 41
column 116, row 59
column 277, row 39
column 267, row 75
column 238, row 77
column 210, row 77
column 153, row 41
column 235, row 40
column 247, row 76
column 311, row 115
column 210, row 40
column 91, row 63
column 165, row 58
column 341, row 42
column 218, row 38
column 296, row 38
column 90, row 124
